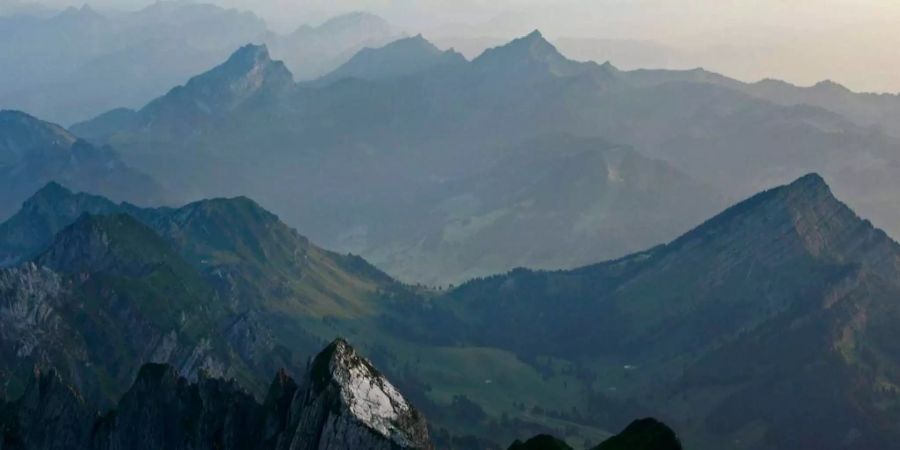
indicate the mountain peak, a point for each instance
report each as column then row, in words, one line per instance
column 339, row 374
column 532, row 51
column 41, row 216
column 403, row 57
column 51, row 191
column 831, row 86
column 23, row 132
column 250, row 67
column 535, row 35
column 811, row 182
column 249, row 56
column 248, row 73
column 115, row 244
column 810, row 217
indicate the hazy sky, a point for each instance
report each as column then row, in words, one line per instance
column 855, row 42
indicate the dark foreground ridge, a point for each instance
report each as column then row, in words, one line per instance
column 342, row 402
column 643, row 434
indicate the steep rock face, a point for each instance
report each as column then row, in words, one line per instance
column 347, row 403
column 356, row 408
column 32, row 330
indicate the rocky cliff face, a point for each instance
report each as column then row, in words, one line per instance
column 347, row 403
column 342, row 403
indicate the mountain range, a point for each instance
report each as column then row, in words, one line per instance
column 34, row 152
column 73, row 64
column 370, row 147
column 770, row 325
column 767, row 326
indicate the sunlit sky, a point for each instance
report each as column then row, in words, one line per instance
column 855, row 42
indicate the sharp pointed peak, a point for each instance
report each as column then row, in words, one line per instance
column 535, row 38
column 53, row 190
column 339, row 370
column 811, row 179
column 338, row 356
column 811, row 185
column 251, row 52
column 248, row 71
column 535, row 34
column 822, row 223
column 532, row 49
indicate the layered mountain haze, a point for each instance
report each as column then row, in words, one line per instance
column 385, row 153
column 33, row 152
column 81, row 62
column 386, row 149
column 551, row 202
column 70, row 65
column 533, row 246
column 313, row 51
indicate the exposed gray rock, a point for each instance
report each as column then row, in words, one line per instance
column 343, row 403
column 346, row 403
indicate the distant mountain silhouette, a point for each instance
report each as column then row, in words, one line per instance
column 34, row 152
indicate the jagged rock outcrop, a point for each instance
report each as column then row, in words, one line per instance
column 343, row 403
column 346, row 403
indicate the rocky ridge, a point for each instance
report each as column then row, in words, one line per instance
column 329, row 409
